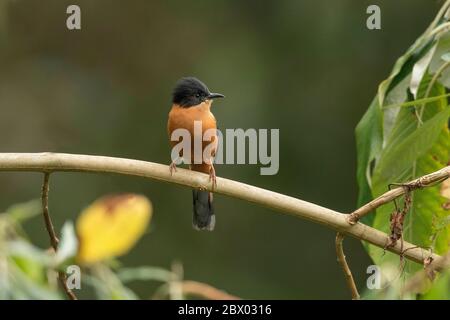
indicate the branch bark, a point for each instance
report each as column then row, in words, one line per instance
column 389, row 196
column 48, row 221
column 53, row 162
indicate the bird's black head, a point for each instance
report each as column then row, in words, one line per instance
column 190, row 92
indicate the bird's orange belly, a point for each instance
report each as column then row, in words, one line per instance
column 185, row 118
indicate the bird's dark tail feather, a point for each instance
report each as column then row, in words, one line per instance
column 203, row 218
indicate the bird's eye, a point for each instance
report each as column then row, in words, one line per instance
column 197, row 95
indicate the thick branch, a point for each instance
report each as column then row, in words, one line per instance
column 419, row 183
column 343, row 262
column 52, row 234
column 51, row 162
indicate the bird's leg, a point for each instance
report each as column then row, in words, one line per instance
column 212, row 176
column 173, row 166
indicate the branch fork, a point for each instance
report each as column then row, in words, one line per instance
column 419, row 183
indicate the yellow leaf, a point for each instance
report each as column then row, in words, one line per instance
column 111, row 226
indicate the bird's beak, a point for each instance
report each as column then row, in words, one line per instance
column 214, row 96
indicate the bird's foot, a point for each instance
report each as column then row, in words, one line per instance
column 172, row 168
column 212, row 177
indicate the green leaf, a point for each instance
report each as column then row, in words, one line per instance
column 419, row 70
column 23, row 249
column 410, row 151
column 376, row 123
column 23, row 287
column 403, row 66
column 369, row 140
column 403, row 135
column 32, row 268
column 440, row 290
column 107, row 284
column 405, row 148
column 24, row 211
column 68, row 246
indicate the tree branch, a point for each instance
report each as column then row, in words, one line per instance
column 48, row 221
column 389, row 196
column 51, row 232
column 343, row 262
column 52, row 162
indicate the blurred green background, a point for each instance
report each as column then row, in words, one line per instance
column 309, row 68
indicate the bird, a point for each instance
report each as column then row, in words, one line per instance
column 191, row 101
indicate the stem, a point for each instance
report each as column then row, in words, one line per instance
column 52, row 162
column 206, row 291
column 439, row 16
column 343, row 262
column 422, row 182
column 48, row 221
column 439, row 29
column 51, row 232
column 430, row 87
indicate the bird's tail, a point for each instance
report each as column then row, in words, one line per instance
column 203, row 218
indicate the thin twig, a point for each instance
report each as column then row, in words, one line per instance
column 48, row 221
column 51, row 232
column 206, row 291
column 419, row 183
column 52, row 162
column 193, row 288
column 343, row 262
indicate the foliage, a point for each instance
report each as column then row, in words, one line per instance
column 29, row 272
column 111, row 225
column 404, row 135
